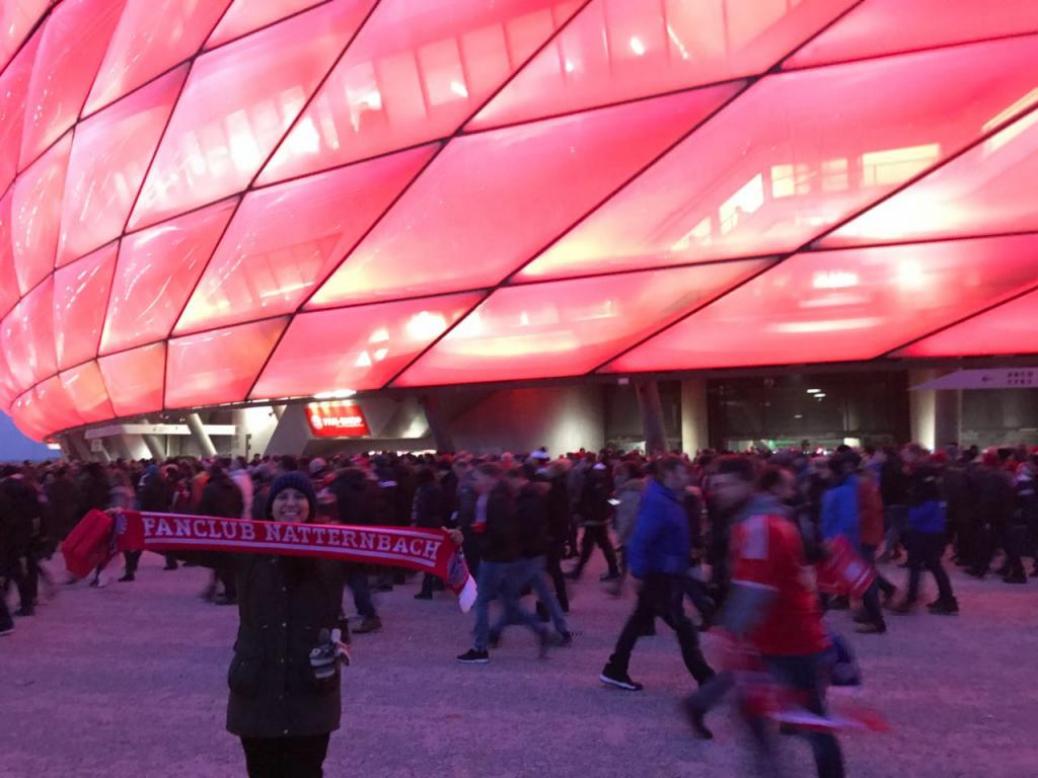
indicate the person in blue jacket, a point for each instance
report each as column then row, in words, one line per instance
column 659, row 557
column 840, row 510
column 926, row 533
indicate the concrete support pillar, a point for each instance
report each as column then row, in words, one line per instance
column 648, row 393
column 65, row 441
column 240, row 444
column 122, row 446
column 292, row 432
column 695, row 429
column 156, row 445
column 200, row 436
column 438, row 424
column 947, row 417
column 934, row 415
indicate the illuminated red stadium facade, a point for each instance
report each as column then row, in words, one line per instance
column 233, row 202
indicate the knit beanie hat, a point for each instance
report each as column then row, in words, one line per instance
column 293, row 479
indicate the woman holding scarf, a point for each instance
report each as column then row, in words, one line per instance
column 284, row 678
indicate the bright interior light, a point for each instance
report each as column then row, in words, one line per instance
column 813, row 391
column 336, row 394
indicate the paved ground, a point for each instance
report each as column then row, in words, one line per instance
column 129, row 680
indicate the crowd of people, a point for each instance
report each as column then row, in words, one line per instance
column 729, row 533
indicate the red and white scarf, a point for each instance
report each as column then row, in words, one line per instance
column 101, row 534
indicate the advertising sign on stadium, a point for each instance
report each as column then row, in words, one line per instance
column 337, row 419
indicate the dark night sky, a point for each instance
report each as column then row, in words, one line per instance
column 15, row 446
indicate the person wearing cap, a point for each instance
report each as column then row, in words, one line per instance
column 283, row 713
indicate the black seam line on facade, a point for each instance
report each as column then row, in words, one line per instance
column 892, row 353
column 201, row 51
column 136, row 199
column 922, row 241
column 913, row 50
column 189, row 60
column 444, row 142
column 457, row 133
column 255, row 186
column 155, row 151
column 28, row 37
column 505, row 282
column 572, row 225
column 778, row 69
column 748, row 84
column 818, row 368
column 780, row 65
column 727, row 260
column 259, row 171
column 843, row 222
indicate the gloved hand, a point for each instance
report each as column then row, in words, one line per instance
column 329, row 651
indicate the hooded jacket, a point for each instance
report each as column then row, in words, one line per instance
column 661, row 542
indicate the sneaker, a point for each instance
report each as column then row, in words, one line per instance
column 25, row 612
column 903, row 607
column 126, row 577
column 695, row 720
column 7, row 630
column 610, row 676
column 565, row 639
column 871, row 628
column 861, row 617
column 423, row 596
column 944, row 608
column 370, row 624
column 474, row 657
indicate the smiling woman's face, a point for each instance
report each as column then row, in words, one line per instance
column 290, row 505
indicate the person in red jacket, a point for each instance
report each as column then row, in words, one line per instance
column 773, row 609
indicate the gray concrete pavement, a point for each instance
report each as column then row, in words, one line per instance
column 129, row 680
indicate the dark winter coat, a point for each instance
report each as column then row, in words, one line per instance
column 996, row 496
column 428, row 506
column 499, row 538
column 594, row 507
column 23, row 513
column 283, row 604
column 558, row 514
column 356, row 497
column 156, row 494
column 531, row 511
column 63, row 497
column 221, row 497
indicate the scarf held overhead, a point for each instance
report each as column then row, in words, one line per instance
column 100, row 534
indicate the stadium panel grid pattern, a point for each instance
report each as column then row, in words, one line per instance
column 218, row 202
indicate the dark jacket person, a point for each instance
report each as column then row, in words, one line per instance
column 283, row 714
